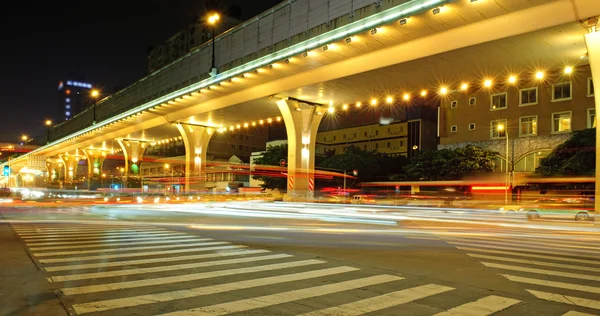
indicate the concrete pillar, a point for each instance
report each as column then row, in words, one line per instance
column 195, row 139
column 54, row 167
column 301, row 123
column 95, row 159
column 592, row 41
column 133, row 151
column 70, row 163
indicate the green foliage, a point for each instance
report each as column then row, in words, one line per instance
column 272, row 157
column 576, row 156
column 449, row 164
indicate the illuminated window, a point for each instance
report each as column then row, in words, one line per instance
column 496, row 131
column 68, row 107
column 590, row 87
column 498, row 101
column 68, row 113
column 561, row 122
column 528, row 96
column 591, row 118
column 562, row 91
column 528, row 125
column 68, row 100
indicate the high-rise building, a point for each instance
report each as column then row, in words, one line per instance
column 73, row 98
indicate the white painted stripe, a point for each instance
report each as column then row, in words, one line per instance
column 205, row 290
column 424, row 238
column 543, row 271
column 574, row 313
column 517, row 248
column 105, row 240
column 481, row 307
column 561, row 285
column 178, row 244
column 67, row 231
column 521, row 241
column 134, row 271
column 534, row 262
column 571, row 252
column 284, row 297
column 383, row 301
column 108, row 233
column 153, row 260
column 571, row 300
column 184, row 278
column 520, row 254
column 144, row 241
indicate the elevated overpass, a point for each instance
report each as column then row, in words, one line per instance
column 303, row 59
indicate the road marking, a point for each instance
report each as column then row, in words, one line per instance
column 522, row 249
column 521, row 254
column 99, row 240
column 154, row 260
column 284, row 297
column 184, row 278
column 584, row 253
column 544, row 242
column 572, row 300
column 574, row 313
column 383, row 301
column 134, row 271
column 562, row 285
column 82, row 252
column 425, row 238
column 205, row 290
column 481, row 307
column 110, row 233
column 128, row 243
column 534, row 262
column 61, row 231
column 543, row 271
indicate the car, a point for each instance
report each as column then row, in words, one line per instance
column 362, row 199
column 578, row 209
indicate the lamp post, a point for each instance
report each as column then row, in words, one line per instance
column 94, row 94
column 167, row 167
column 213, row 18
column 48, row 124
column 501, row 129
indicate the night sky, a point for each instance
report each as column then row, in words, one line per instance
column 106, row 41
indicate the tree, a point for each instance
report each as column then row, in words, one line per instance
column 272, row 157
column 576, row 156
column 449, row 164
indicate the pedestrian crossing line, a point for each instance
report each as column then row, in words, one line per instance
column 534, row 262
column 521, row 254
column 542, row 271
column 425, row 238
column 554, row 244
column 99, row 234
column 576, row 252
column 178, row 244
column 144, row 241
column 137, row 270
column 145, row 254
column 565, row 299
column 516, row 248
column 574, row 313
column 86, row 289
column 481, row 307
column 67, row 231
column 556, row 284
column 383, row 301
column 153, row 260
column 99, row 306
column 95, row 240
column 285, row 297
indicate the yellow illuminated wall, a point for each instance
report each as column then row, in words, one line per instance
column 387, row 139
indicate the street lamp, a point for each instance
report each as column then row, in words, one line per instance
column 501, row 129
column 212, row 19
column 167, row 167
column 24, row 138
column 48, row 124
column 94, row 94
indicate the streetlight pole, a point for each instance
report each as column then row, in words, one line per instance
column 507, row 174
column 212, row 20
column 94, row 94
column 48, row 124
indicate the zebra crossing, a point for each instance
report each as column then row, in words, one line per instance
column 129, row 269
column 555, row 269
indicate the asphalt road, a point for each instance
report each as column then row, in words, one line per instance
column 293, row 259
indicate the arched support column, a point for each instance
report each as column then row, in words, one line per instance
column 133, row 152
column 95, row 159
column 70, row 163
column 196, row 139
column 592, row 41
column 301, row 123
column 54, row 167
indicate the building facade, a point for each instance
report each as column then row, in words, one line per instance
column 532, row 115
column 73, row 98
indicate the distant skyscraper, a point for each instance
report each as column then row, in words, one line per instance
column 73, row 98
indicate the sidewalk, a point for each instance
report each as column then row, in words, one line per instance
column 23, row 288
